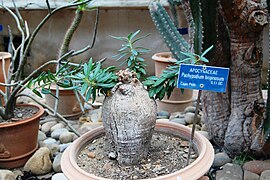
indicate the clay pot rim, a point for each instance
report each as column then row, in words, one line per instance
column 204, row 148
column 26, row 120
column 163, row 57
column 5, row 55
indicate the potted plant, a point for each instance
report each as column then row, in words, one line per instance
column 128, row 113
column 68, row 103
column 19, row 124
column 179, row 98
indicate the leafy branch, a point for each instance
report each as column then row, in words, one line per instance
column 132, row 53
column 160, row 86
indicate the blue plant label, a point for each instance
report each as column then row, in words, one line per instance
column 1, row 27
column 202, row 77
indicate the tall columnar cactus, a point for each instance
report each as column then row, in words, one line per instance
column 202, row 31
column 168, row 31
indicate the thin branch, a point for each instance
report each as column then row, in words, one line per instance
column 44, row 20
column 17, row 12
column 81, row 51
column 79, row 100
column 49, row 7
column 95, row 29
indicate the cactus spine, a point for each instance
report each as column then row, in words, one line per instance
column 175, row 41
column 205, row 33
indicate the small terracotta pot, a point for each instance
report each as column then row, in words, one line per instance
column 6, row 57
column 191, row 172
column 19, row 139
column 68, row 106
column 179, row 99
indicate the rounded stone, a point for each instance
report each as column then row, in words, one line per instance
column 164, row 114
column 57, row 126
column 257, row 166
column 40, row 162
column 177, row 115
column 179, row 121
column 54, row 148
column 265, row 175
column 205, row 134
column 251, row 176
column 189, row 118
column 49, row 141
column 57, row 163
column 66, row 137
column 220, row 159
column 95, row 115
column 88, row 126
column 56, row 133
column 191, row 109
column 41, row 136
column 6, row 175
column 46, row 127
column 59, row 176
column 63, row 147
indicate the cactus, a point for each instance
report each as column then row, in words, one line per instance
column 204, row 35
column 175, row 41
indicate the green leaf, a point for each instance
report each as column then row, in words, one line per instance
column 152, row 92
column 90, row 64
column 204, row 59
column 120, row 38
column 134, row 34
column 158, row 82
column 148, row 82
column 162, row 94
column 84, row 88
column 207, row 50
column 45, row 91
column 37, row 93
column 85, row 69
column 159, row 88
column 120, row 57
column 88, row 94
column 97, row 69
column 134, row 52
column 140, row 38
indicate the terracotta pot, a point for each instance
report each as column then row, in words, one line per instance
column 19, row 139
column 191, row 172
column 178, row 100
column 6, row 57
column 68, row 106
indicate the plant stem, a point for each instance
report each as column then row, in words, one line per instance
column 194, row 126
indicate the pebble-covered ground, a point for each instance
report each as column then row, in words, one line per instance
column 54, row 137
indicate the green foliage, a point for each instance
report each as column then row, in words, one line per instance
column 242, row 158
column 88, row 79
column 164, row 85
column 94, row 79
column 132, row 53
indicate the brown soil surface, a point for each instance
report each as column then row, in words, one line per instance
column 167, row 154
